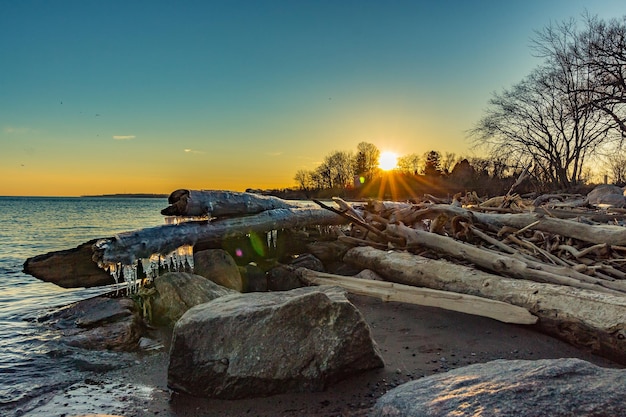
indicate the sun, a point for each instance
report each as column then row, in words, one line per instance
column 388, row 161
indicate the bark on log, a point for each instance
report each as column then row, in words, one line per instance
column 71, row 268
column 503, row 264
column 213, row 203
column 389, row 291
column 612, row 235
column 128, row 247
column 588, row 319
column 79, row 267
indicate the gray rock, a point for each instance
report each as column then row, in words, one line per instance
column 260, row 344
column 549, row 387
column 218, row 266
column 254, row 277
column 308, row 261
column 99, row 323
column 283, row 278
column 606, row 194
column 177, row 292
column 369, row 274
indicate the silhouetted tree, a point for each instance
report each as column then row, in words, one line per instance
column 447, row 162
column 601, row 50
column 616, row 165
column 409, row 164
column 366, row 160
column 463, row 174
column 304, row 179
column 568, row 109
column 341, row 168
column 432, row 164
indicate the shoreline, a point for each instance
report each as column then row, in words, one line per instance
column 415, row 341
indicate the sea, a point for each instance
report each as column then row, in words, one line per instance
column 33, row 361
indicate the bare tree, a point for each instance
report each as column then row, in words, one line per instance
column 616, row 165
column 602, row 51
column 336, row 171
column 543, row 121
column 366, row 160
column 409, row 164
column 448, row 160
column 304, row 179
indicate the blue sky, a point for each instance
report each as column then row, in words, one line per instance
column 151, row 96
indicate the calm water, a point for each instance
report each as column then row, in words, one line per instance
column 32, row 361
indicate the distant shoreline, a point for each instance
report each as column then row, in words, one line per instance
column 134, row 195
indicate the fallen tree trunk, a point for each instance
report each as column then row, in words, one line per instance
column 61, row 267
column 211, row 203
column 127, row 248
column 501, row 263
column 71, row 268
column 389, row 291
column 612, row 235
column 589, row 319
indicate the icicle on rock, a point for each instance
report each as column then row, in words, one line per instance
column 185, row 219
column 272, row 238
column 180, row 259
column 130, row 276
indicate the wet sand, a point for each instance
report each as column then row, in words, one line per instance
column 415, row 341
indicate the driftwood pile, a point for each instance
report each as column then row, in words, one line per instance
column 554, row 261
column 550, row 256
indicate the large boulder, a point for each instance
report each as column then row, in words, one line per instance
column 99, row 323
column 177, row 292
column 606, row 195
column 218, row 266
column 548, row 387
column 260, row 344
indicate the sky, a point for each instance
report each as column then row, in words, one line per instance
column 100, row 97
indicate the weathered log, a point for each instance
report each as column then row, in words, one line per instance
column 502, row 264
column 79, row 267
column 127, row 248
column 390, row 291
column 69, row 268
column 612, row 235
column 212, row 203
column 584, row 318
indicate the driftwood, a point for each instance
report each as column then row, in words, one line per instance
column 69, row 268
column 503, row 264
column 85, row 266
column 210, row 203
column 127, row 248
column 589, row 319
column 612, row 235
column 389, row 291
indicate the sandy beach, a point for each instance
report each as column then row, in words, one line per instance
column 415, row 341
